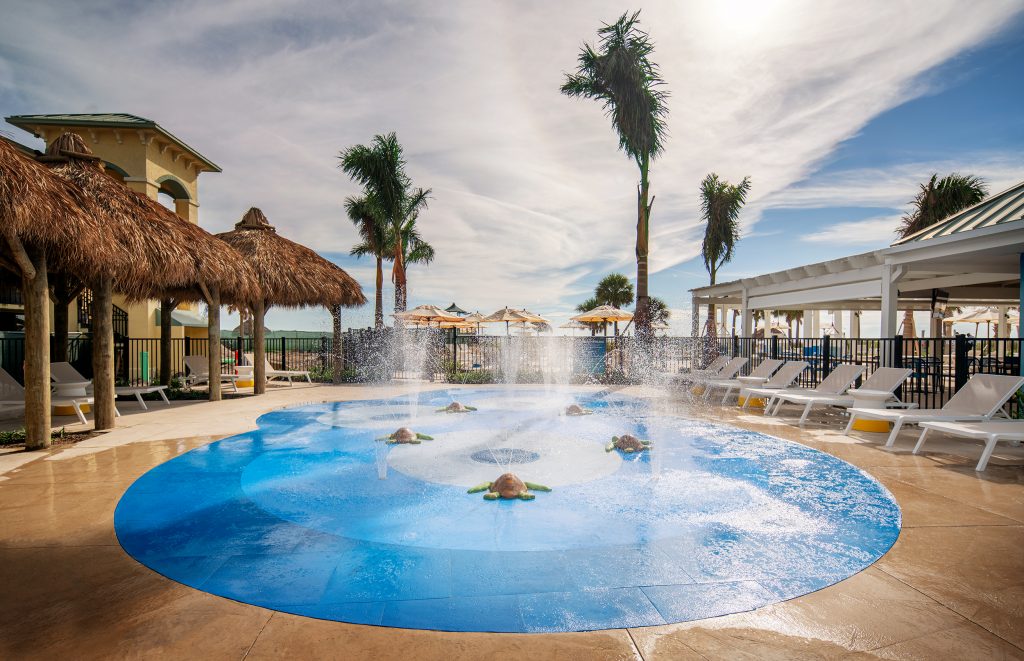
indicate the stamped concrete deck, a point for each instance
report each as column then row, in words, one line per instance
column 951, row 587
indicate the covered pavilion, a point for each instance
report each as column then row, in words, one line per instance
column 975, row 257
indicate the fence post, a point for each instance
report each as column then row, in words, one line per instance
column 238, row 350
column 897, row 360
column 188, row 345
column 775, row 347
column 284, row 358
column 960, row 362
column 735, row 346
column 126, row 360
column 826, row 356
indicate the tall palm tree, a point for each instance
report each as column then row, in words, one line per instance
column 720, row 204
column 413, row 248
column 620, row 74
column 380, row 169
column 660, row 312
column 936, row 200
column 373, row 232
column 616, row 290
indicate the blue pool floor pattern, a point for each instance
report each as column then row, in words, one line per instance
column 194, row 520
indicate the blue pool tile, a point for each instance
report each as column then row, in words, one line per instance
column 681, row 603
column 587, row 610
column 366, row 612
column 495, row 573
column 493, row 613
column 624, row 566
column 387, row 573
column 787, row 588
column 276, row 580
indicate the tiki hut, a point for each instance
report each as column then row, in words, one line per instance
column 159, row 255
column 44, row 220
column 289, row 275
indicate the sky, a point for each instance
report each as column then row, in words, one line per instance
column 835, row 110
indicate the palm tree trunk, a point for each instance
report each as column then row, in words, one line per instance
column 103, row 354
column 36, row 294
column 400, row 283
column 166, row 308
column 642, row 318
column 378, row 310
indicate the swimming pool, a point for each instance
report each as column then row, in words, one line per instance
column 311, row 515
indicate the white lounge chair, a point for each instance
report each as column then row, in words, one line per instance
column 880, row 386
column 835, row 384
column 981, row 398
column 990, row 432
column 198, row 371
column 64, row 373
column 756, row 388
column 279, row 374
column 12, row 395
column 713, row 367
column 758, row 375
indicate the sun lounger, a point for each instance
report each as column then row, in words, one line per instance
column 279, row 374
column 758, row 375
column 981, row 398
column 990, row 432
column 64, row 373
column 12, row 395
column 198, row 368
column 756, row 388
column 836, row 383
column 879, row 387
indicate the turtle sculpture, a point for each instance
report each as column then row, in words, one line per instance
column 508, row 486
column 576, row 409
column 456, row 407
column 628, row 444
column 405, row 436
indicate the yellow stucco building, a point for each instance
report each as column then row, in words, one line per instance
column 152, row 161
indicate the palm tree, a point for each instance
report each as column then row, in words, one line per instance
column 414, row 249
column 720, row 206
column 615, row 290
column 373, row 232
column 937, row 200
column 380, row 169
column 660, row 312
column 621, row 76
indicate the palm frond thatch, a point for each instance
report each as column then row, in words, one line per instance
column 150, row 251
column 289, row 273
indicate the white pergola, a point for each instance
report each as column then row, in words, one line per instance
column 977, row 256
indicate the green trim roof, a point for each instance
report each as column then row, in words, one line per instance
column 1005, row 207
column 110, row 120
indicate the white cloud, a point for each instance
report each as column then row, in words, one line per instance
column 532, row 201
column 869, row 231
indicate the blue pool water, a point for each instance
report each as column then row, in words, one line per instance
column 310, row 515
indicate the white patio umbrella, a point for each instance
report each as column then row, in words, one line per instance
column 604, row 314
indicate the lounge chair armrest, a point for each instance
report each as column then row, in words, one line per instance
column 897, row 404
column 751, row 380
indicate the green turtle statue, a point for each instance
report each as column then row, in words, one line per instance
column 508, row 486
column 404, row 436
column 456, row 407
column 628, row 444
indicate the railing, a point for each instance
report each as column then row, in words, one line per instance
column 10, row 295
column 940, row 365
column 120, row 318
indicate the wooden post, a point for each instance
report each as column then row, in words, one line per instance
column 60, row 330
column 166, row 308
column 213, row 330
column 103, row 354
column 259, row 350
column 36, row 293
column 336, row 362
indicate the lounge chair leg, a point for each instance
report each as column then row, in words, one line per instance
column 807, row 410
column 920, row 441
column 990, row 446
column 746, row 401
column 309, row 379
column 117, row 413
column 725, row 397
column 849, row 425
column 163, row 396
column 78, row 412
column 896, row 427
column 138, row 396
column 290, row 384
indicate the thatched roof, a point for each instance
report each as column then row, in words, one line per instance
column 44, row 211
column 289, row 273
column 157, row 253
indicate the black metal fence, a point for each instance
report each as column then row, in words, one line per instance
column 940, row 365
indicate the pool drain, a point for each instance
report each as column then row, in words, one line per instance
column 504, row 456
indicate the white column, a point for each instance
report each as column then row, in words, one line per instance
column 1003, row 327
column 855, row 323
column 890, row 297
column 837, row 320
column 746, row 327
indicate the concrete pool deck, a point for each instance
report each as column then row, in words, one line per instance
column 952, row 586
